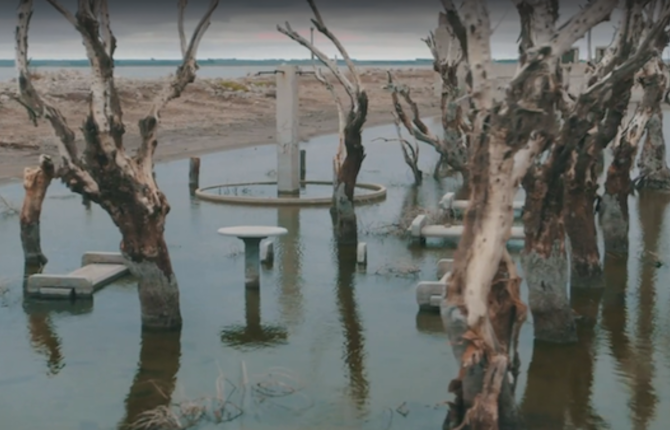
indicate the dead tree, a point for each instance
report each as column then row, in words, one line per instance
column 351, row 152
column 447, row 45
column 122, row 184
column 410, row 152
column 36, row 181
column 613, row 211
column 587, row 119
column 654, row 172
column 630, row 50
column 482, row 311
column 544, row 257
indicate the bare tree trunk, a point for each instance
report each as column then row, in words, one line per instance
column 343, row 213
column 581, row 228
column 491, row 313
column 613, row 211
column 654, row 172
column 618, row 185
column 36, row 181
column 545, row 260
column 581, row 182
column 143, row 245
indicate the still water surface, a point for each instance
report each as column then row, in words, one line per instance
column 354, row 339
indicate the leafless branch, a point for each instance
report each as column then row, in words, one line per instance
column 38, row 108
column 644, row 52
column 569, row 33
column 341, row 148
column 184, row 76
column 414, row 126
column 321, row 27
column 107, row 35
column 456, row 24
column 181, row 5
column 352, row 89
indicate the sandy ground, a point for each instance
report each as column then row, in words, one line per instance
column 212, row 114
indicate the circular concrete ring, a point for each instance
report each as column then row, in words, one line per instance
column 378, row 194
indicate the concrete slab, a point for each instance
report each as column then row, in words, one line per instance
column 456, row 231
column 426, row 290
column 102, row 258
column 252, row 231
column 81, row 283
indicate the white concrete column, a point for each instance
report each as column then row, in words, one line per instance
column 288, row 147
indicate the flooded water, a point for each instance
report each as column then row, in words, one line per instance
column 357, row 349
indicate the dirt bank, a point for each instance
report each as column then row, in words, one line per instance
column 213, row 114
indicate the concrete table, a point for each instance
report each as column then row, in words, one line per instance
column 252, row 235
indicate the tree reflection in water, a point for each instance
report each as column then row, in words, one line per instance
column 43, row 337
column 156, row 375
column 354, row 341
column 559, row 384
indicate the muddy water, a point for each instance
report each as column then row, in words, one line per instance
column 352, row 340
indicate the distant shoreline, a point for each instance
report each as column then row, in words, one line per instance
column 226, row 62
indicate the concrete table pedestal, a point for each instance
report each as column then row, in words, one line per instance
column 252, row 237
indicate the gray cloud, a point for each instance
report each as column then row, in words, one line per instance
column 246, row 29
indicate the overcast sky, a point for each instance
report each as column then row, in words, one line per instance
column 370, row 29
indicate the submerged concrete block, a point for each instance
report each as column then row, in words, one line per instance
column 362, row 254
column 81, row 283
column 267, row 252
column 102, row 258
column 417, row 226
column 447, row 201
column 426, row 290
column 444, row 266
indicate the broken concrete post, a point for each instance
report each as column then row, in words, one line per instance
column 362, row 254
column 194, row 174
column 267, row 252
column 288, row 151
column 303, row 164
column 447, row 201
column 415, row 228
column 444, row 266
column 429, row 294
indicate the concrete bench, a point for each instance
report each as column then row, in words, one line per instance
column 98, row 269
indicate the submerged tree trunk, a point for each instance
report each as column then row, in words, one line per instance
column 483, row 312
column 654, row 172
column 581, row 228
column 581, row 183
column 36, row 181
column 143, row 245
column 613, row 210
column 346, row 175
column 545, row 260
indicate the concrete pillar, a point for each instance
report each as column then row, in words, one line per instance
column 288, row 147
column 252, row 276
